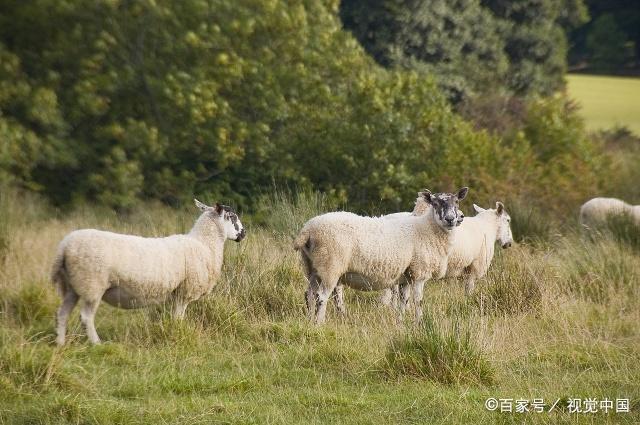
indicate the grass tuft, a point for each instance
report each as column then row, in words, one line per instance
column 443, row 352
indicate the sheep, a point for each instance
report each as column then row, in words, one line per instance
column 595, row 212
column 419, row 208
column 388, row 295
column 129, row 271
column 473, row 247
column 373, row 253
column 474, row 244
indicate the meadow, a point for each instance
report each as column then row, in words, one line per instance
column 556, row 318
column 607, row 101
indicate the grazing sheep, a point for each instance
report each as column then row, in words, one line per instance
column 595, row 212
column 130, row 271
column 373, row 253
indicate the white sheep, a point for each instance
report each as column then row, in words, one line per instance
column 388, row 295
column 595, row 212
column 130, row 271
column 474, row 244
column 373, row 253
column 472, row 249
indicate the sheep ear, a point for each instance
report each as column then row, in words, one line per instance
column 200, row 205
column 477, row 208
column 426, row 195
column 462, row 193
column 219, row 208
column 499, row 208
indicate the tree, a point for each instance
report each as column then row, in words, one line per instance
column 456, row 41
column 610, row 42
column 470, row 46
column 535, row 41
column 607, row 44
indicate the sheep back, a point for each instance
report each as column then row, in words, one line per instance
column 148, row 268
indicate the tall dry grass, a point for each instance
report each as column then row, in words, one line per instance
column 552, row 319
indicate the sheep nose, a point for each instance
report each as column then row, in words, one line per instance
column 506, row 245
column 449, row 220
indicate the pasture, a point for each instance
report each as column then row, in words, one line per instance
column 607, row 101
column 554, row 319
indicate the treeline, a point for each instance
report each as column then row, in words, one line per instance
column 610, row 41
column 473, row 47
column 119, row 101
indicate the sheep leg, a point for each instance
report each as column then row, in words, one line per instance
column 403, row 299
column 179, row 309
column 386, row 298
column 322, row 296
column 310, row 295
column 87, row 315
column 470, row 284
column 338, row 298
column 62, row 317
column 394, row 295
column 473, row 272
column 418, row 293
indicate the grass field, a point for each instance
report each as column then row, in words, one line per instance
column 607, row 101
column 554, row 320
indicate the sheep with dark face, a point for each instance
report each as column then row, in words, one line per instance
column 129, row 271
column 472, row 249
column 373, row 253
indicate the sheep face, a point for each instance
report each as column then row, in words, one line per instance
column 422, row 207
column 445, row 207
column 230, row 222
column 226, row 219
column 505, row 237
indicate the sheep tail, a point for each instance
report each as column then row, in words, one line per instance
column 59, row 273
column 303, row 244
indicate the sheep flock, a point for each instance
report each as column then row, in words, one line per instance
column 395, row 254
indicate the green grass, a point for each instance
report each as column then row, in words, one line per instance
column 553, row 321
column 607, row 102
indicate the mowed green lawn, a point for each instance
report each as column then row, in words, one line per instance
column 607, row 101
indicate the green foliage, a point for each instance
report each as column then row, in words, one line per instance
column 607, row 44
column 124, row 101
column 471, row 46
column 535, row 41
column 116, row 102
column 610, row 41
column 457, row 41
